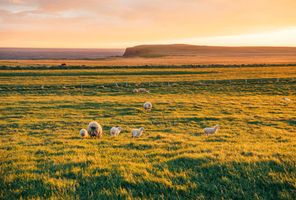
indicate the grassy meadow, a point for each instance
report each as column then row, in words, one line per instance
column 253, row 156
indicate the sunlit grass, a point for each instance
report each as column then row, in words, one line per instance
column 251, row 157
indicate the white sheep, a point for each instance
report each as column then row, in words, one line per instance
column 147, row 106
column 211, row 130
column 94, row 129
column 140, row 90
column 143, row 90
column 83, row 133
column 114, row 131
column 137, row 132
column 286, row 99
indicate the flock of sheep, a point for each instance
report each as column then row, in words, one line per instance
column 94, row 129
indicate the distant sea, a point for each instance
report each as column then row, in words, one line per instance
column 52, row 53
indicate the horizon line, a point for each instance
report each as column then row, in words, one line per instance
column 154, row 44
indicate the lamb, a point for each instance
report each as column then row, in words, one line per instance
column 94, row 129
column 114, row 131
column 211, row 130
column 147, row 106
column 83, row 133
column 135, row 90
column 137, row 132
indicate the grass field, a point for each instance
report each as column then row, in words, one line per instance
column 253, row 156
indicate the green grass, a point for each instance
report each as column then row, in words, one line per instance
column 253, row 156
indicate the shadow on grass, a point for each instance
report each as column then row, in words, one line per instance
column 291, row 122
column 203, row 181
column 135, row 146
column 25, row 189
column 190, row 178
column 261, row 123
column 235, row 180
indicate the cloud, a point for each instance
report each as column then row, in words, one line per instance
column 124, row 21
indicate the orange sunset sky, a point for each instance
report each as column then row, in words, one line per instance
column 122, row 23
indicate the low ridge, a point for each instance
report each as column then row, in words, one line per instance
column 192, row 50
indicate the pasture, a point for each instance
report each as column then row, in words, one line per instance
column 253, row 156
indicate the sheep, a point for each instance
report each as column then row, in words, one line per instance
column 137, row 132
column 140, row 90
column 94, row 129
column 211, row 130
column 83, row 133
column 114, row 131
column 143, row 90
column 147, row 106
column 286, row 99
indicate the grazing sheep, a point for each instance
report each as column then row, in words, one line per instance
column 83, row 133
column 143, row 90
column 114, row 131
column 137, row 132
column 147, row 106
column 94, row 129
column 140, row 90
column 211, row 130
column 286, row 99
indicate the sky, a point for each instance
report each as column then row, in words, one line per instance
column 125, row 23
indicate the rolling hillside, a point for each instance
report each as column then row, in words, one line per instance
column 193, row 50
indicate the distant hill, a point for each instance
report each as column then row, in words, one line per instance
column 192, row 50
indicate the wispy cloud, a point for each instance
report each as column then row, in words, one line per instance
column 85, row 23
